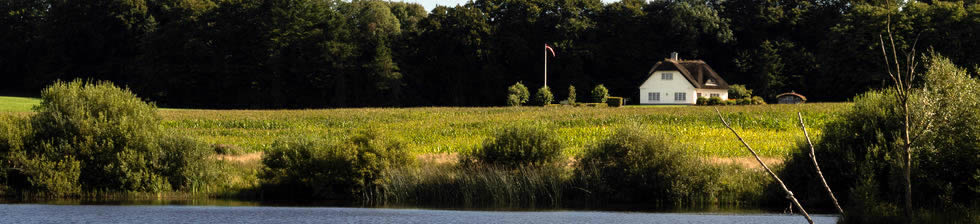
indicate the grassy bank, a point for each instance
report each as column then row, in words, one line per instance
column 435, row 136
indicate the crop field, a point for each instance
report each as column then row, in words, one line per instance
column 772, row 129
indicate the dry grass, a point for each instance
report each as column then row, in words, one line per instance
column 746, row 162
column 245, row 158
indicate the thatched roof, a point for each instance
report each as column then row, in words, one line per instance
column 696, row 72
column 792, row 93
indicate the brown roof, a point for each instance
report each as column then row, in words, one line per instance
column 791, row 94
column 695, row 71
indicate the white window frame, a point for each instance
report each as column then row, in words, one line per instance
column 653, row 96
column 667, row 76
column 716, row 95
column 679, row 96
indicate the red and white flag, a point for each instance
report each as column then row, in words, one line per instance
column 549, row 49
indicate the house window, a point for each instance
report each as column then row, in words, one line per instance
column 699, row 95
column 711, row 82
column 653, row 96
column 715, row 95
column 667, row 76
column 680, row 96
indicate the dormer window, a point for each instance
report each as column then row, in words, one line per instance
column 711, row 82
column 667, row 76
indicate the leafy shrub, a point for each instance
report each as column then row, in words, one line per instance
column 600, row 94
column 861, row 153
column 635, row 166
column 350, row 169
column 615, row 101
column 513, row 100
column 744, row 101
column 702, row 101
column 757, row 100
column 543, row 97
column 98, row 137
column 520, row 145
column 517, row 94
column 714, row 100
column 729, row 102
column 571, row 94
column 737, row 91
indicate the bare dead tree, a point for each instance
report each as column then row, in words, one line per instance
column 902, row 80
column 813, row 157
column 789, row 194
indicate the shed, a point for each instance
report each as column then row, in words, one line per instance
column 790, row 98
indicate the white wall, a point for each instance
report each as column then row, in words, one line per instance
column 706, row 93
column 667, row 88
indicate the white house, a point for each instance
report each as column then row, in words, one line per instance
column 675, row 81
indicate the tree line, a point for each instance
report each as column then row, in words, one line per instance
column 331, row 53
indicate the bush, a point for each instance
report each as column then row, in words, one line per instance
column 517, row 94
column 702, row 101
column 600, row 94
column 861, row 152
column 351, row 169
column 757, row 100
column 523, row 145
column 634, row 166
column 737, row 91
column 615, row 101
column 729, row 102
column 571, row 94
column 513, row 100
column 714, row 100
column 98, row 137
column 744, row 101
column 543, row 97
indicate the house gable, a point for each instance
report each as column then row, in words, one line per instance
column 655, row 78
column 697, row 72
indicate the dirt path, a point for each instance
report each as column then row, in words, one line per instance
column 244, row 158
column 746, row 162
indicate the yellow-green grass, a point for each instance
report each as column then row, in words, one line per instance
column 773, row 130
column 17, row 104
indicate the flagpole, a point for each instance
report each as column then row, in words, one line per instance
column 546, row 65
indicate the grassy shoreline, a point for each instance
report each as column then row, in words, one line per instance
column 435, row 135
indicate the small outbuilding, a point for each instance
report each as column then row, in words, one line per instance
column 790, row 98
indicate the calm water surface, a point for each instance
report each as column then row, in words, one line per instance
column 47, row 213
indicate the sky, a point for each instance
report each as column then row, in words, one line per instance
column 430, row 4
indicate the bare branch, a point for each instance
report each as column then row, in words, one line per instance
column 789, row 194
column 888, row 65
column 813, row 156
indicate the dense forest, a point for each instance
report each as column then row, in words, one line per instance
column 329, row 53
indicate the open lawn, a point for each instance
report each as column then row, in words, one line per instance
column 17, row 104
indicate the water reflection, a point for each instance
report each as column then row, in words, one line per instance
column 192, row 211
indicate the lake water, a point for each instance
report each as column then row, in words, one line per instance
column 47, row 213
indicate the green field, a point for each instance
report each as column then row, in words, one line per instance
column 17, row 104
column 772, row 129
